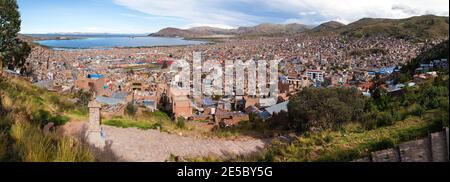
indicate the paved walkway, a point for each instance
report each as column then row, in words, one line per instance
column 136, row 145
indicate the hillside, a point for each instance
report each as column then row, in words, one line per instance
column 192, row 32
column 440, row 51
column 418, row 27
column 267, row 29
column 422, row 27
column 328, row 26
column 272, row 29
column 387, row 120
column 24, row 111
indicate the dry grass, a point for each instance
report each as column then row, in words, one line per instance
column 25, row 109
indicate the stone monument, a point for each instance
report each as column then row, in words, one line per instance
column 94, row 130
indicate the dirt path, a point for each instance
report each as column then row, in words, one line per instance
column 135, row 145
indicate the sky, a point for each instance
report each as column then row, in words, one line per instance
column 148, row 16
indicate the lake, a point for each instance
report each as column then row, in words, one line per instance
column 111, row 41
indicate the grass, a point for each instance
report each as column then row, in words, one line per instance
column 258, row 129
column 34, row 98
column 419, row 28
column 351, row 142
column 130, row 123
column 24, row 110
column 147, row 120
column 77, row 115
column 155, row 116
column 158, row 120
column 32, row 146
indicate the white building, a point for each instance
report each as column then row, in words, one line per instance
column 316, row 75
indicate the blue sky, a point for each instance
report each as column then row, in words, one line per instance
column 147, row 16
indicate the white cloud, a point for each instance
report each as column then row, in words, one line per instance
column 216, row 12
column 308, row 13
column 207, row 25
column 107, row 29
column 352, row 10
column 194, row 11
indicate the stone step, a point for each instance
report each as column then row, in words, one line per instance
column 446, row 132
column 364, row 159
column 388, row 155
column 415, row 151
column 439, row 147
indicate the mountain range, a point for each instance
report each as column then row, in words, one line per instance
column 418, row 27
column 265, row 29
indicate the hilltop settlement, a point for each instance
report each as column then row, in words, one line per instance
column 119, row 76
column 125, row 81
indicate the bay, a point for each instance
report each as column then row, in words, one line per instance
column 112, row 41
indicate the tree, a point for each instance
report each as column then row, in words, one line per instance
column 325, row 108
column 84, row 98
column 165, row 65
column 131, row 109
column 181, row 123
column 13, row 51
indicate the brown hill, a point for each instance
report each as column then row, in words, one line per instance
column 418, row 27
column 262, row 29
column 328, row 26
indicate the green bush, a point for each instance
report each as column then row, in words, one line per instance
column 325, row 108
column 59, row 120
column 384, row 119
column 43, row 117
column 131, row 109
column 181, row 122
column 417, row 110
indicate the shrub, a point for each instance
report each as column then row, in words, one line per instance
column 84, row 97
column 42, row 117
column 181, row 122
column 131, row 109
column 158, row 125
column 59, row 120
column 325, row 108
column 384, row 119
column 415, row 110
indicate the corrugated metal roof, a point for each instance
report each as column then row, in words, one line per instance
column 120, row 95
column 109, row 100
column 277, row 108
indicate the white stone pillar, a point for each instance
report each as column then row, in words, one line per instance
column 94, row 136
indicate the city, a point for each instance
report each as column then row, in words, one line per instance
column 370, row 90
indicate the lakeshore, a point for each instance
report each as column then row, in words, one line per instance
column 108, row 41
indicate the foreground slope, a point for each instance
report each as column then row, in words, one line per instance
column 24, row 111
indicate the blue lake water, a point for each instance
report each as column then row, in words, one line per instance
column 102, row 42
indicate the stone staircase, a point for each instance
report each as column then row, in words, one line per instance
column 434, row 148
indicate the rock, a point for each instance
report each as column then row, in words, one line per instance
column 47, row 128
